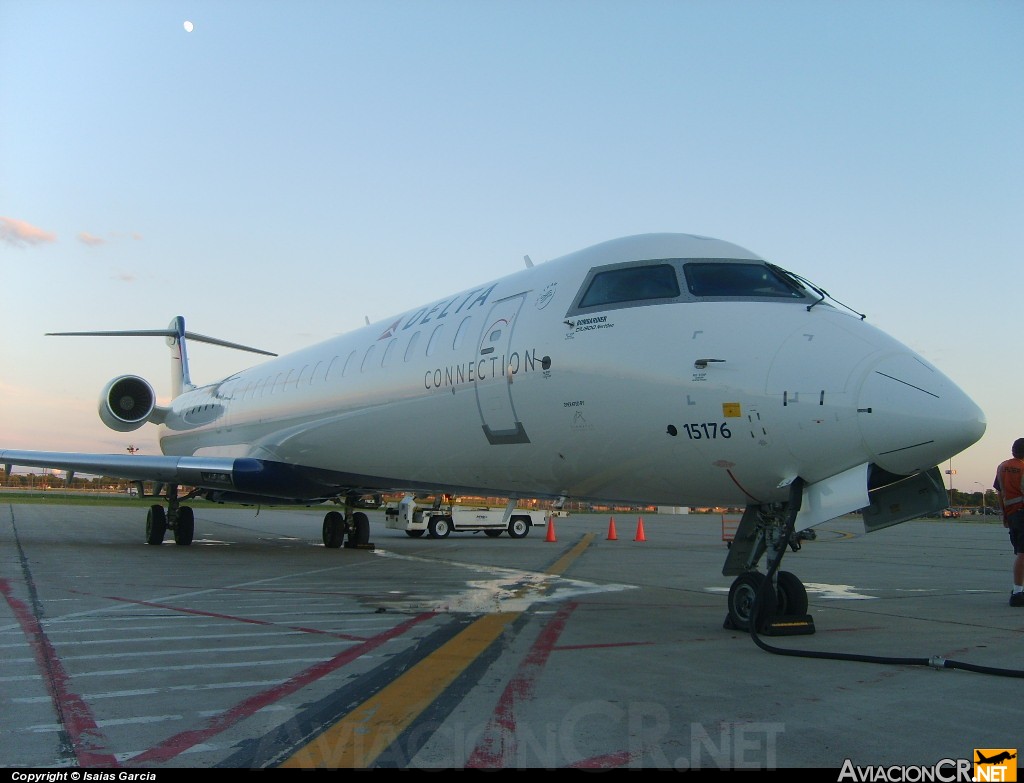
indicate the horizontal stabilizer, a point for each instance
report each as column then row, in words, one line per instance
column 199, row 338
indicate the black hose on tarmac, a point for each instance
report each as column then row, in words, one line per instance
column 795, row 499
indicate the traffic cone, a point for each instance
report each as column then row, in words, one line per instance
column 640, row 530
column 551, row 529
column 611, row 530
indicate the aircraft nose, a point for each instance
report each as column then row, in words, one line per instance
column 912, row 417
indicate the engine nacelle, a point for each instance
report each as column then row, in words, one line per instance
column 127, row 403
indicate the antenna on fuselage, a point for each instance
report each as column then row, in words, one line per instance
column 529, row 263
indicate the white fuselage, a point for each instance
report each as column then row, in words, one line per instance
column 506, row 389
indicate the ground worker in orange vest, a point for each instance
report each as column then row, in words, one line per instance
column 1009, row 483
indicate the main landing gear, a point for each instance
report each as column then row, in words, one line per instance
column 353, row 525
column 180, row 520
column 778, row 608
column 177, row 518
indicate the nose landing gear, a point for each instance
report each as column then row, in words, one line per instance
column 775, row 603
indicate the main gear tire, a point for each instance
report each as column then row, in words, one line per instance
column 791, row 595
column 749, row 603
column 334, row 529
column 156, row 525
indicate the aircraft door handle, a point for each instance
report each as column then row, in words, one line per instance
column 702, row 364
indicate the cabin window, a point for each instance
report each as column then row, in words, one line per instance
column 493, row 337
column 330, row 367
column 739, row 280
column 412, row 345
column 460, row 335
column 434, row 337
column 348, row 363
column 631, row 284
column 366, row 358
column 386, row 359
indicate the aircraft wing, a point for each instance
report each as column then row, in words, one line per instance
column 224, row 479
column 235, row 477
column 193, row 471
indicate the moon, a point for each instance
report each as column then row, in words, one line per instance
column 188, row 26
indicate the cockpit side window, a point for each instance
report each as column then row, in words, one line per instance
column 631, row 284
column 739, row 280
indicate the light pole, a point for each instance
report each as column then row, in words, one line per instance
column 950, row 473
column 982, row 497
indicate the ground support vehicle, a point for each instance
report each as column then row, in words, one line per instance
column 441, row 519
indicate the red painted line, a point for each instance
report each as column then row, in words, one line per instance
column 249, row 620
column 497, row 745
column 277, row 590
column 607, row 761
column 179, row 743
column 75, row 715
column 563, row 647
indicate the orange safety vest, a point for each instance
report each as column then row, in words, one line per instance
column 1008, row 481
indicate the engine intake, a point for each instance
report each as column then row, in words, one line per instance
column 127, row 403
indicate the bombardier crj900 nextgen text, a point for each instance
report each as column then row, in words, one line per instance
column 662, row 369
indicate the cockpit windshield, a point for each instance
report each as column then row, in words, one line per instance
column 676, row 280
column 630, row 284
column 739, row 280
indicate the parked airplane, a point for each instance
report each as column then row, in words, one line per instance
column 996, row 759
column 664, row 369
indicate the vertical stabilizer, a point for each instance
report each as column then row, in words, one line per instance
column 180, row 379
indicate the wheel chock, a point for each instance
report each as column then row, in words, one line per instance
column 789, row 625
column 783, row 625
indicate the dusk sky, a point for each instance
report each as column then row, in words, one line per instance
column 282, row 171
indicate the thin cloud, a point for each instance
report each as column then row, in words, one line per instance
column 134, row 235
column 19, row 233
column 114, row 236
column 88, row 239
column 125, row 277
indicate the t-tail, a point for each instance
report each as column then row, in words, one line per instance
column 128, row 401
column 176, row 339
